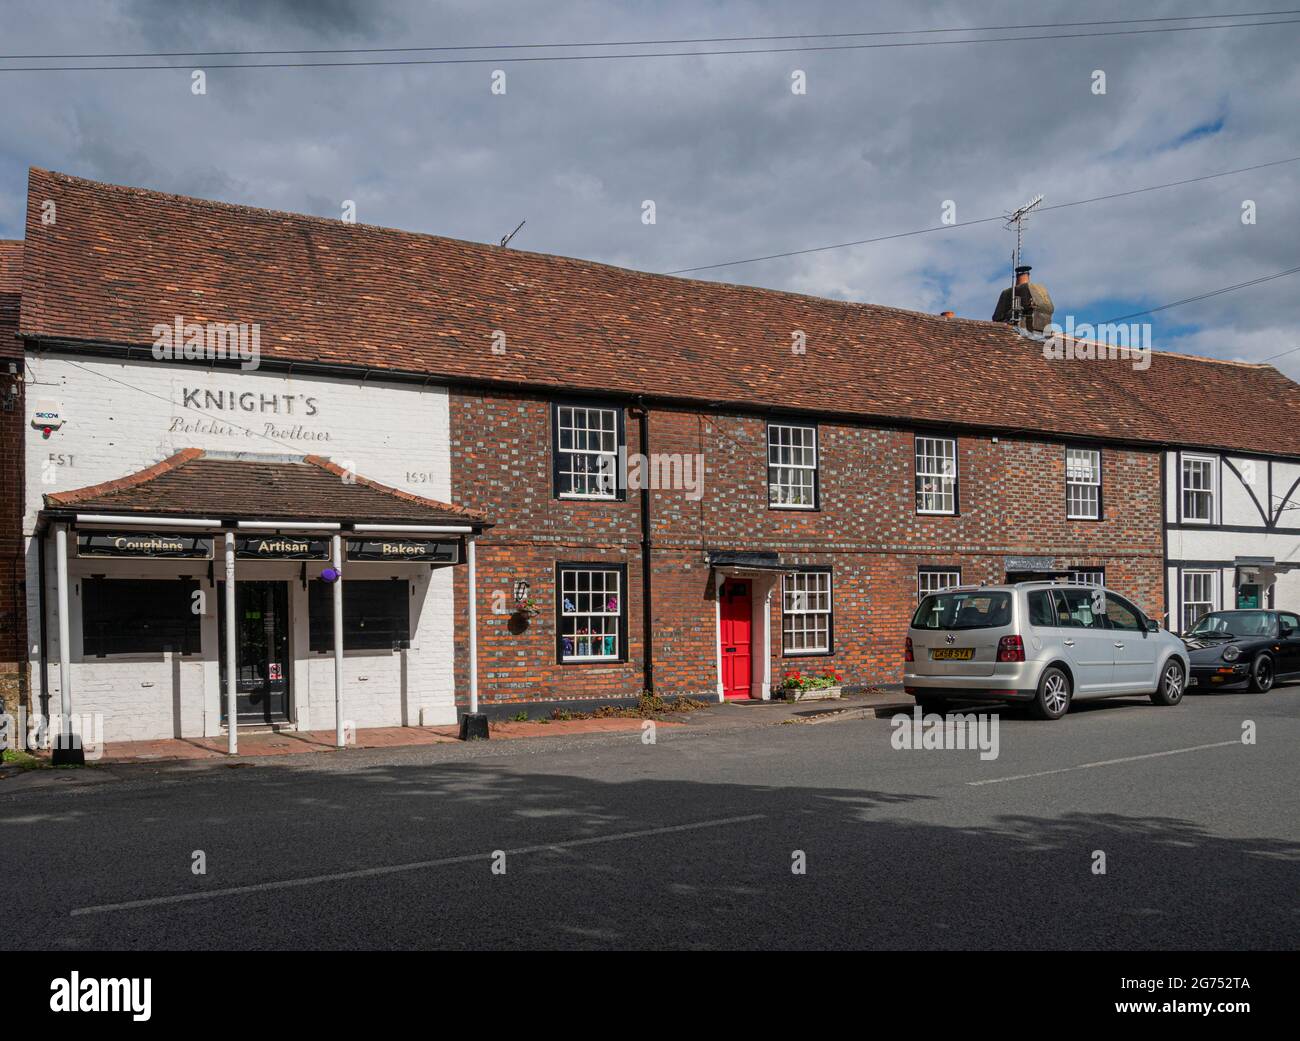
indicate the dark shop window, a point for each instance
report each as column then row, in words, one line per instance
column 138, row 616
column 376, row 615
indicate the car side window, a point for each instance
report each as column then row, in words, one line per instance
column 1077, row 609
column 1122, row 615
column 1293, row 621
column 1042, row 611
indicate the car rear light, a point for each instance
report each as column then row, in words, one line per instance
column 907, row 650
column 1011, row 648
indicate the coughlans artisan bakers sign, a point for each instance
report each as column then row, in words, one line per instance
column 142, row 544
column 281, row 547
column 416, row 550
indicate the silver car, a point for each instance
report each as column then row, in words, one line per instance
column 1044, row 643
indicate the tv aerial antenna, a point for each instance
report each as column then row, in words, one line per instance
column 506, row 241
column 1016, row 219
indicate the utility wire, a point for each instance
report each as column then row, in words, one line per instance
column 645, row 54
column 980, row 220
column 654, row 43
column 1206, row 296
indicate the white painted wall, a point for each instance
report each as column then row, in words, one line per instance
column 120, row 417
column 1259, row 495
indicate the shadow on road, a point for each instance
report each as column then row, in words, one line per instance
column 878, row 872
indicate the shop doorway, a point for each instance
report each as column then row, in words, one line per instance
column 262, row 663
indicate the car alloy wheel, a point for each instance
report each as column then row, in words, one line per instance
column 1261, row 675
column 1053, row 695
column 1171, row 684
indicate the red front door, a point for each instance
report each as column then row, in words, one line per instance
column 736, row 622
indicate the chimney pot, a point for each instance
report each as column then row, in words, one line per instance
column 947, row 314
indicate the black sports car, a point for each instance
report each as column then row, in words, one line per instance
column 1258, row 648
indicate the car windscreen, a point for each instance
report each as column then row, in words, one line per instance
column 971, row 609
column 1236, row 624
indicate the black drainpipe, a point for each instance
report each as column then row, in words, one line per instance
column 647, row 582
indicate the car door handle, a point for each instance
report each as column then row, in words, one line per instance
column 1068, row 643
column 1119, row 644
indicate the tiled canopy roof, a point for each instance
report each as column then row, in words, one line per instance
column 118, row 261
column 193, row 483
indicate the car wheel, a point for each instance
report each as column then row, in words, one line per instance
column 1053, row 698
column 931, row 704
column 1262, row 675
column 1173, row 681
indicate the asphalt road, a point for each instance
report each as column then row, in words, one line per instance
column 690, row 842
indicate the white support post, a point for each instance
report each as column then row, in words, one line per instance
column 338, row 642
column 65, row 635
column 473, row 626
column 767, row 642
column 232, row 677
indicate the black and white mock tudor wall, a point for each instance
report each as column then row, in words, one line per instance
column 810, row 496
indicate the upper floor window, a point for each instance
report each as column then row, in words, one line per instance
column 1083, row 484
column 936, row 475
column 1198, row 488
column 792, row 466
column 585, row 454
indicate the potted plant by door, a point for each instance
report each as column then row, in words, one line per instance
column 800, row 686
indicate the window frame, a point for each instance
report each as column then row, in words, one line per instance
column 816, row 503
column 193, row 620
column 620, row 445
column 1100, row 514
column 934, row 569
column 1077, row 573
column 319, row 590
column 1211, row 463
column 917, row 476
column 1212, row 578
column 829, row 650
column 621, row 631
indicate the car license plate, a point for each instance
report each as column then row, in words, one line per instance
column 952, row 654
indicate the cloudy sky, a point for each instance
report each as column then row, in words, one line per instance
column 738, row 165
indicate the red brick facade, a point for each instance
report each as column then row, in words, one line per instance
column 867, row 530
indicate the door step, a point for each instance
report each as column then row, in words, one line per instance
column 263, row 728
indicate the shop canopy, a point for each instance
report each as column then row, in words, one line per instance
column 197, row 488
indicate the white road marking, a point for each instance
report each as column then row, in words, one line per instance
column 392, row 869
column 1105, row 762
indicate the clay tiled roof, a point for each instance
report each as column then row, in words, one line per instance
column 11, row 267
column 199, row 484
column 120, row 260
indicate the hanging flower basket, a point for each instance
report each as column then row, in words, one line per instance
column 526, row 609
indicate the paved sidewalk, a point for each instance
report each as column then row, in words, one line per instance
column 291, row 742
column 285, row 743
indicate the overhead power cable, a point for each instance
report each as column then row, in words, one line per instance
column 979, row 220
column 654, row 43
column 651, row 54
